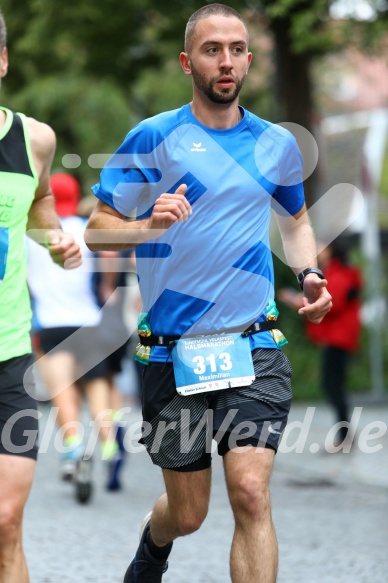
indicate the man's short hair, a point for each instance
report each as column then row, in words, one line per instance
column 3, row 33
column 205, row 12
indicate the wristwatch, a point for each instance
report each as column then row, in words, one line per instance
column 300, row 277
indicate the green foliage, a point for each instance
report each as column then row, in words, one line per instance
column 305, row 22
column 383, row 191
column 384, row 177
column 92, row 70
column 78, row 37
column 96, row 121
column 310, row 27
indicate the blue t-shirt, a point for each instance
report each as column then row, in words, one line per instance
column 214, row 272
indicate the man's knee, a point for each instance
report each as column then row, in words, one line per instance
column 250, row 496
column 188, row 522
column 10, row 524
column 189, row 517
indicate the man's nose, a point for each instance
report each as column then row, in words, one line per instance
column 226, row 61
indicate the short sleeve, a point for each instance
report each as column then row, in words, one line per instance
column 125, row 179
column 288, row 198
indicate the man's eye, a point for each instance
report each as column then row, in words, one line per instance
column 212, row 50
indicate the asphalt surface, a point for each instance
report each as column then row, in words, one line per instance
column 330, row 511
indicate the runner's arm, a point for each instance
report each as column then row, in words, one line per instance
column 43, row 223
column 109, row 230
column 301, row 252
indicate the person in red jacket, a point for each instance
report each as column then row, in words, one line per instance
column 339, row 332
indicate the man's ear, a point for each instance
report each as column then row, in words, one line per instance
column 249, row 61
column 185, row 63
column 4, row 62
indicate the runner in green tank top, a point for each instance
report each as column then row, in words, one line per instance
column 17, row 192
column 26, row 204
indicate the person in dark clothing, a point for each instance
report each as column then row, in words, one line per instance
column 339, row 332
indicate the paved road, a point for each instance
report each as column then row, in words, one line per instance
column 330, row 511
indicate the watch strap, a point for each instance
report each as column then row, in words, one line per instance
column 301, row 276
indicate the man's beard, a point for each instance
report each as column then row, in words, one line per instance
column 224, row 96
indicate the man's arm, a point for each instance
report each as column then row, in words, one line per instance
column 300, row 251
column 109, row 230
column 43, row 223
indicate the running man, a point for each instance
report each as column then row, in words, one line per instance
column 203, row 179
column 26, row 153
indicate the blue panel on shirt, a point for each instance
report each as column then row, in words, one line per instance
column 187, row 309
column 258, row 260
column 155, row 250
column 194, row 190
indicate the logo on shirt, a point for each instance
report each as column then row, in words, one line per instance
column 6, row 204
column 272, row 429
column 198, row 147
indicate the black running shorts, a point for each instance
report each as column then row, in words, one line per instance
column 83, row 343
column 178, row 430
column 18, row 409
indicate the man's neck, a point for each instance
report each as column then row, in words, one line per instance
column 215, row 115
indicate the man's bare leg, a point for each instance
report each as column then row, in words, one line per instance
column 16, row 478
column 254, row 553
column 57, row 371
column 184, row 506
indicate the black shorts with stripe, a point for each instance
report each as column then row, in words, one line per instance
column 178, row 431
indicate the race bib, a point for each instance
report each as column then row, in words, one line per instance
column 212, row 363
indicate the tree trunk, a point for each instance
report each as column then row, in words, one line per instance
column 293, row 90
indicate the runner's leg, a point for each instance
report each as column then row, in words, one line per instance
column 254, row 553
column 183, row 507
column 57, row 372
column 16, row 478
column 98, row 396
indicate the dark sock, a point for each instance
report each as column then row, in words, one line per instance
column 159, row 553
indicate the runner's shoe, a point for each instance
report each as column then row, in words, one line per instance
column 69, row 460
column 83, row 480
column 145, row 569
column 67, row 469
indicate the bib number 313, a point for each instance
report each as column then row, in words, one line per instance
column 202, row 363
column 211, row 363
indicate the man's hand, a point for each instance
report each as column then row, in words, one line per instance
column 316, row 301
column 170, row 209
column 63, row 249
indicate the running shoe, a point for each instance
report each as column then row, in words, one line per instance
column 83, row 480
column 67, row 469
column 69, row 461
column 145, row 569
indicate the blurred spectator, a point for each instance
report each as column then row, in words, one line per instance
column 339, row 333
column 109, row 280
column 113, row 282
column 67, row 315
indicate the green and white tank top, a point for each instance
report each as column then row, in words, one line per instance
column 18, row 183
